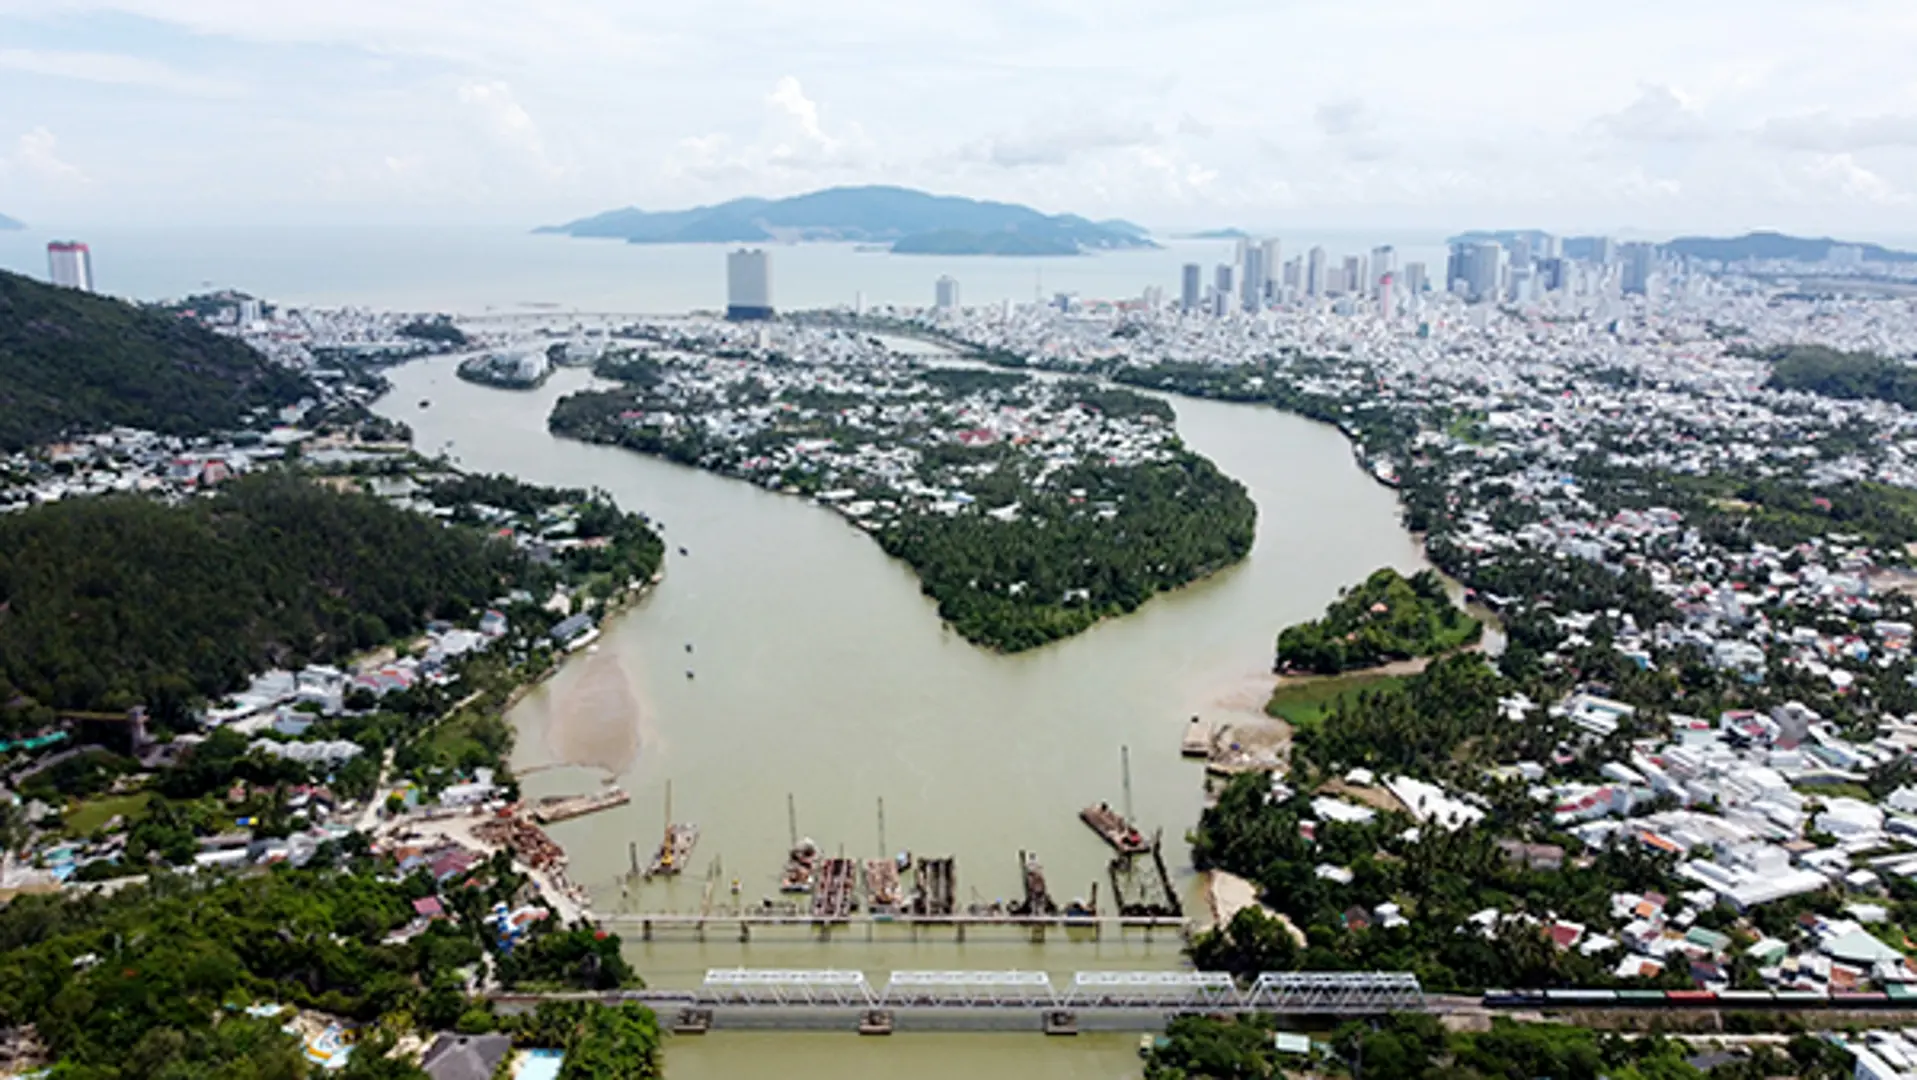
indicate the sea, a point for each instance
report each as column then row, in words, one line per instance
column 490, row 269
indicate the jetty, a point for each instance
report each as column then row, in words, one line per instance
column 1198, row 739
column 882, row 895
column 801, row 863
column 564, row 808
column 1144, row 887
column 834, row 897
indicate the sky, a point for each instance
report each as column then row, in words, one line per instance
column 1647, row 117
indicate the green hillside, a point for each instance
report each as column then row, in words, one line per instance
column 72, row 362
column 112, row 601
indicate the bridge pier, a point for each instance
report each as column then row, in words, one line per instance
column 745, row 930
column 961, row 933
column 645, row 930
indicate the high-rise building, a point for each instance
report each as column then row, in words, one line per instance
column 1224, row 288
column 1411, row 282
column 1315, row 272
column 249, row 312
column 1353, row 277
column 1553, row 273
column 70, row 265
column 1484, row 267
column 1605, row 251
column 748, row 285
column 1549, row 246
column 1640, row 262
column 1384, row 262
column 947, row 293
column 1271, row 254
column 1385, row 299
column 1294, row 279
column 1252, row 288
column 1194, row 287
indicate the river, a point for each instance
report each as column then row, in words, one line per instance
column 823, row 673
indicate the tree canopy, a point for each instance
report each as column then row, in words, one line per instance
column 74, row 362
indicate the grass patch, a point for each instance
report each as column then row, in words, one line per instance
column 90, row 814
column 1303, row 704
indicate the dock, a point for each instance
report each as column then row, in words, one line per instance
column 564, row 808
column 1112, row 827
column 1038, row 898
column 834, row 896
column 1198, row 739
column 935, row 887
column 675, row 848
column 882, row 895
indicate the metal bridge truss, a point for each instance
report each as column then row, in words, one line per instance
column 1338, row 993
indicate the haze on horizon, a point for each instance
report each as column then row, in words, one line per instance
column 1649, row 116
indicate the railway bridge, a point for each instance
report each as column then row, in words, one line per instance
column 1005, row 1000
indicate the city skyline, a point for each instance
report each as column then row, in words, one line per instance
column 1709, row 118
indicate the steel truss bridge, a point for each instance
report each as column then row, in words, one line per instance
column 1296, row 992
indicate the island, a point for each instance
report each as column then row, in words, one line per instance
column 911, row 222
column 523, row 369
column 1387, row 618
column 8, row 224
column 1030, row 508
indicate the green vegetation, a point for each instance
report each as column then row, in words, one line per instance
column 440, row 331
column 1305, row 703
column 93, row 813
column 73, row 362
column 1416, row 1046
column 1055, row 569
column 1854, row 376
column 1438, row 878
column 148, row 983
column 121, row 600
column 1387, row 618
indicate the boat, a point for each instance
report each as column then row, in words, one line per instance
column 683, row 551
column 882, row 893
column 423, row 403
column 800, row 864
column 688, row 646
column 1117, row 832
column 688, row 673
column 674, row 848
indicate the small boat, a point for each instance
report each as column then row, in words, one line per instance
column 424, row 404
column 682, row 550
column 688, row 673
column 735, row 886
column 688, row 646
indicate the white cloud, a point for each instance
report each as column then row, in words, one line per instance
column 36, row 154
column 114, row 69
column 508, row 122
column 1657, row 115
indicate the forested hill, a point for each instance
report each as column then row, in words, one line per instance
column 108, row 602
column 73, row 362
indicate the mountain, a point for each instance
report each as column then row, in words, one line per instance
column 914, row 222
column 8, row 224
column 1220, row 234
column 1772, row 246
column 74, row 362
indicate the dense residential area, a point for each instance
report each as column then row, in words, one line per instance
column 1030, row 508
column 1689, row 765
column 259, row 813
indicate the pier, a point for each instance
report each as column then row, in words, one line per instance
column 565, row 808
